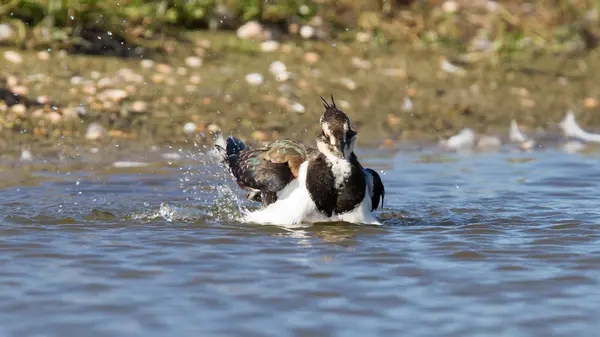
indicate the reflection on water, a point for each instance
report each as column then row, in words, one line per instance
column 481, row 244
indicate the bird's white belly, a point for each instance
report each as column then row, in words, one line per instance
column 294, row 207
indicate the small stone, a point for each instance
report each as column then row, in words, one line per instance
column 164, row 68
column 590, row 103
column 393, row 120
column 95, row 75
column 363, row 37
column 250, row 31
column 39, row 113
column 158, row 78
column 277, row 67
column 18, row 109
column 11, row 81
column 170, row 81
column 361, row 63
column 388, row 142
column 6, row 32
column 54, row 117
column 293, row 28
column 311, row 57
column 213, row 128
column 269, row 46
column 206, row 100
column 43, row 55
column 76, row 80
column 282, row 77
column 199, row 51
column 450, row 7
column 147, row 63
column 182, row 71
column 190, row 88
column 307, row 32
column 105, row 82
column 260, row 136
column 298, row 108
column 348, row 83
column 70, row 113
column 254, row 79
column 26, row 155
column 95, row 131
column 344, row 104
column 130, row 88
column 195, row 79
column 193, row 61
column 189, row 127
column 139, row 106
column 129, row 76
column 13, row 57
column 43, row 99
column 180, row 100
column 114, row 95
column 20, row 90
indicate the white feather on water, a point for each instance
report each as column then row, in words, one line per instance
column 571, row 129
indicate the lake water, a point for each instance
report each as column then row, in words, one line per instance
column 486, row 244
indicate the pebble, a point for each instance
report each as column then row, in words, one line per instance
column 158, row 78
column 95, row 131
column 147, row 63
column 189, row 127
column 18, row 109
column 255, row 79
column 13, row 57
column 190, row 88
column 213, row 128
column 164, row 68
column 348, row 83
column 105, row 82
column 259, row 136
column 182, row 71
column 43, row 55
column 54, row 117
column 26, row 155
column 282, row 77
column 407, row 106
column 76, row 80
column 6, row 32
column 37, row 113
column 450, row 7
column 363, row 37
column 311, row 57
column 195, row 79
column 361, row 63
column 95, row 75
column 193, row 61
column 590, row 103
column 20, row 90
column 307, row 32
column 269, row 46
column 11, row 81
column 139, row 106
column 199, row 51
column 250, row 31
column 129, row 76
column 70, row 113
column 298, row 108
column 344, row 104
column 114, row 95
column 43, row 99
column 277, row 67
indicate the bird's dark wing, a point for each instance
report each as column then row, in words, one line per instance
column 269, row 168
column 376, row 190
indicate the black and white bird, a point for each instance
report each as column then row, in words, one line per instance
column 297, row 183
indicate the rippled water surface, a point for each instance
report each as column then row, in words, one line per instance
column 498, row 244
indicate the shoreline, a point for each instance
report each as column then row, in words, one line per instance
column 391, row 93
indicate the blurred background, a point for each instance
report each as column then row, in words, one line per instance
column 175, row 70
